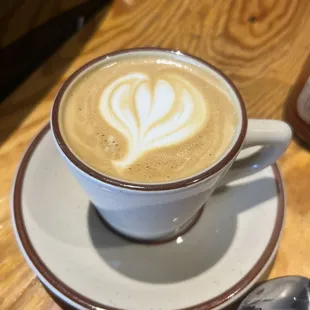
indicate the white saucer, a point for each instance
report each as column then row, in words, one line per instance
column 86, row 265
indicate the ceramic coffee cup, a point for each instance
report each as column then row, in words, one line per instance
column 162, row 210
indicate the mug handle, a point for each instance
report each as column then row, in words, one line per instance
column 272, row 136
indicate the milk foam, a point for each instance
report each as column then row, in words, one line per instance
column 152, row 112
column 148, row 119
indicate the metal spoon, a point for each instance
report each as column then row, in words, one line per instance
column 286, row 293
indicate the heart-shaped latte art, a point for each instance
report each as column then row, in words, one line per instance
column 152, row 112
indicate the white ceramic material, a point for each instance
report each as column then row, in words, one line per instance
column 158, row 211
column 86, row 265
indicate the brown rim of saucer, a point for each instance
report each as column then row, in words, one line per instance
column 140, row 186
column 83, row 301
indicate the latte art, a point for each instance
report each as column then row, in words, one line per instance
column 152, row 113
column 148, row 119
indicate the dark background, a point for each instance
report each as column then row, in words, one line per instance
column 32, row 30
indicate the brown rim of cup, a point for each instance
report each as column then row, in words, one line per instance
column 141, row 186
column 25, row 243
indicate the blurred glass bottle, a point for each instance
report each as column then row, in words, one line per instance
column 298, row 106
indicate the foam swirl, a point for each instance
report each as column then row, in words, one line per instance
column 152, row 112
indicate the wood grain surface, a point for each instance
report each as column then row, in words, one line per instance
column 262, row 45
column 17, row 17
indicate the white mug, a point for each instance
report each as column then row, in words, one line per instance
column 160, row 211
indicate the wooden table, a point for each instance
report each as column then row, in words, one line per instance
column 262, row 45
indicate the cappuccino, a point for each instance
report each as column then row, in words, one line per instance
column 147, row 119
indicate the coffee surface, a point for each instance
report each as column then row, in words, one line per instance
column 147, row 119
